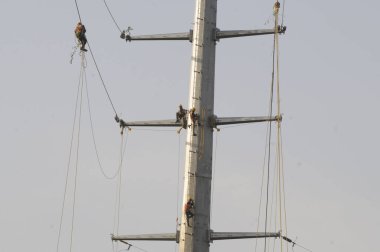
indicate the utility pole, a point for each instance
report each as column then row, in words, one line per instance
column 204, row 36
column 198, row 167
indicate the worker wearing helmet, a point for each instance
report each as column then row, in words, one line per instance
column 181, row 113
column 189, row 206
column 80, row 31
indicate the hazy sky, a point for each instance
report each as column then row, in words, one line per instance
column 330, row 94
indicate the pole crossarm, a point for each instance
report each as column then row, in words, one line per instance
column 166, row 36
column 215, row 121
column 189, row 35
column 147, row 237
column 241, row 235
column 154, row 123
column 214, row 236
column 241, row 120
column 245, row 33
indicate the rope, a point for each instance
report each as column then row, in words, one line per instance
column 75, row 48
column 109, row 11
column 283, row 13
column 94, row 141
column 302, row 247
column 279, row 154
column 274, row 206
column 213, row 175
column 132, row 246
column 77, row 159
column 294, row 243
column 178, row 178
column 201, row 132
column 269, row 146
column 118, row 196
column 69, row 161
column 283, row 187
column 267, row 149
column 267, row 142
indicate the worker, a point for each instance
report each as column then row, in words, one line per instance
column 194, row 119
column 276, row 7
column 193, row 116
column 189, row 206
column 80, row 31
column 181, row 113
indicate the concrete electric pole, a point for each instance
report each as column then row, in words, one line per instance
column 204, row 36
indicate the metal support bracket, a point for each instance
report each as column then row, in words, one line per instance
column 218, row 34
column 245, row 33
column 213, row 121
column 213, row 236
column 216, row 121
column 241, row 235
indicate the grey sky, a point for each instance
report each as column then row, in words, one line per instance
column 330, row 94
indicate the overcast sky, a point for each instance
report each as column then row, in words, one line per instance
column 330, row 96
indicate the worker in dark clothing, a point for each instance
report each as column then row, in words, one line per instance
column 181, row 117
column 189, row 206
column 181, row 113
column 80, row 33
column 194, row 119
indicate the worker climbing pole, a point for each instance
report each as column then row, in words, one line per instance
column 189, row 210
column 194, row 117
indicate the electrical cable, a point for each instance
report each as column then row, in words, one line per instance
column 101, row 78
column 96, row 65
column 76, row 4
column 109, row 11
